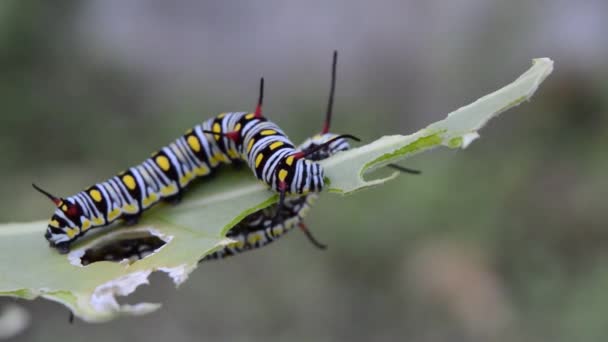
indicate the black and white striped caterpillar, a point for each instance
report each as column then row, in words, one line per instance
column 227, row 138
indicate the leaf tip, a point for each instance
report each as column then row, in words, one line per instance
column 468, row 138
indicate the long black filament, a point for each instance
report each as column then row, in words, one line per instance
column 404, row 169
column 327, row 143
column 332, row 90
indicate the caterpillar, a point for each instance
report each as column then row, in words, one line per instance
column 225, row 139
column 261, row 227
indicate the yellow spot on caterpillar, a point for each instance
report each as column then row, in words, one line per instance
column 129, row 181
column 86, row 224
column 168, row 190
column 258, row 159
column 253, row 238
column 250, row 145
column 276, row 145
column 189, row 131
column 250, row 116
column 221, row 115
column 146, row 202
column 268, row 132
column 194, row 144
column 152, row 198
column 98, row 221
column 282, row 175
column 130, row 208
column 163, row 163
column 232, row 153
column 278, row 230
column 113, row 214
column 237, row 127
column 95, row 195
column 185, row 179
column 70, row 232
column 64, row 207
column 240, row 244
column 217, row 128
column 220, row 157
column 54, row 223
column 201, row 171
column 290, row 222
column 304, row 210
column 289, row 160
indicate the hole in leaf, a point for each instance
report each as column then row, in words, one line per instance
column 126, row 247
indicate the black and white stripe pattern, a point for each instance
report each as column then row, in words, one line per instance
column 261, row 228
column 163, row 176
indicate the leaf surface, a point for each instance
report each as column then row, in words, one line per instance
column 196, row 227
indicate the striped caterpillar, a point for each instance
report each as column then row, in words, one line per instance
column 225, row 139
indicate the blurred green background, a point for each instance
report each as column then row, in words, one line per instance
column 504, row 241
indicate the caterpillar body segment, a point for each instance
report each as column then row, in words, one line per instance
column 258, row 229
column 267, row 225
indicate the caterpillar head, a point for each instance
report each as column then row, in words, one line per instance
column 335, row 146
column 64, row 225
column 299, row 173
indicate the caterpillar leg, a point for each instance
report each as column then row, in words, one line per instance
column 310, row 237
column 282, row 190
column 131, row 220
column 175, row 199
column 71, row 317
column 238, row 165
column 63, row 247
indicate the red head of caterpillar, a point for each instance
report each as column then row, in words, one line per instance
column 66, row 222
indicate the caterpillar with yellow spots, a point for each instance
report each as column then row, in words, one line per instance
column 227, row 138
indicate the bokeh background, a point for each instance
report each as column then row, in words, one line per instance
column 504, row 241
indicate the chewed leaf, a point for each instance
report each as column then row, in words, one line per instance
column 172, row 239
column 459, row 129
column 185, row 233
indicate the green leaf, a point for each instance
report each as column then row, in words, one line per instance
column 459, row 129
column 196, row 227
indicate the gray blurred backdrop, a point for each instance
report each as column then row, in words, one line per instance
column 504, row 241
